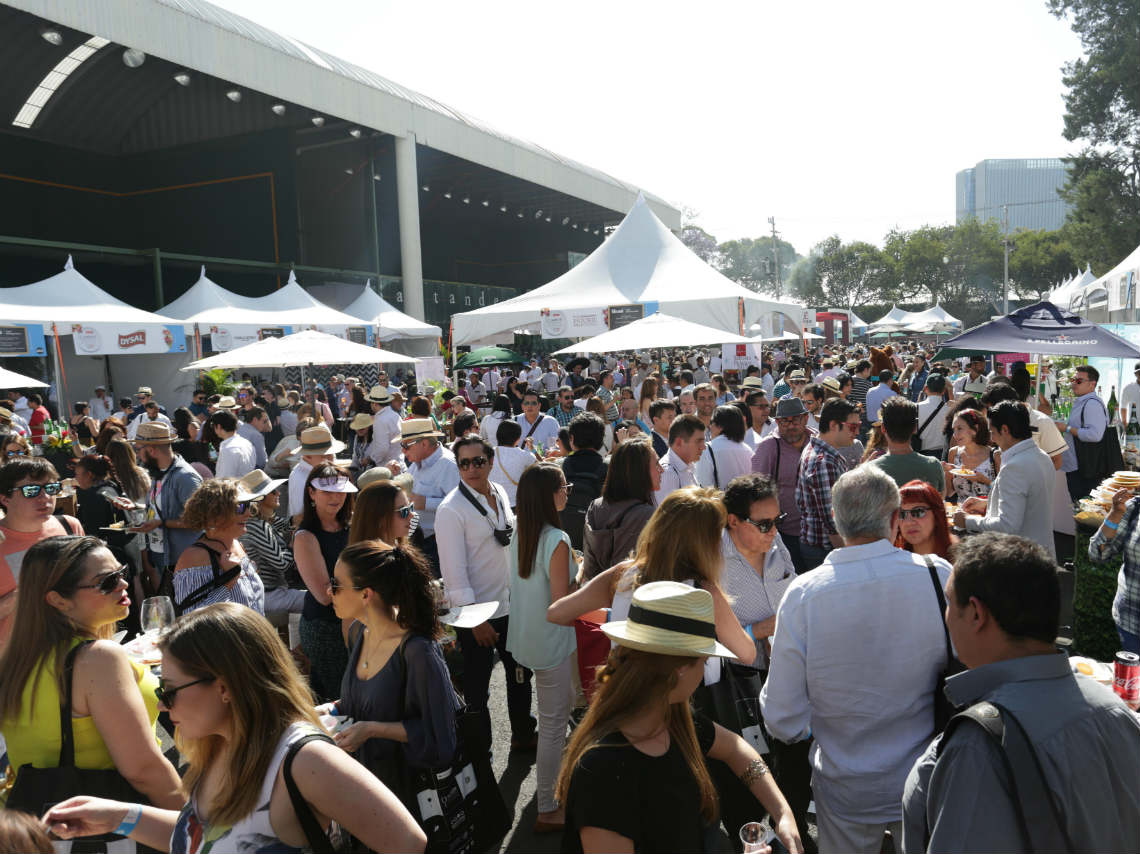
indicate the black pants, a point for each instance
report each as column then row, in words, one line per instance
column 477, row 663
column 430, row 548
column 791, row 768
column 793, row 545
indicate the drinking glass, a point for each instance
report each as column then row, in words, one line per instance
column 755, row 835
column 157, row 614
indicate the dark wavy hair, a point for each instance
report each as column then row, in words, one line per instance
column 401, row 577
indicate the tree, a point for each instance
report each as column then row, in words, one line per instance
column 974, row 260
column 696, row 238
column 1038, row 262
column 919, row 261
column 1102, row 107
column 750, row 262
column 843, row 275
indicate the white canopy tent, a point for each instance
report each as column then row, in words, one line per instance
column 892, row 318
column 1120, row 282
column 935, row 315
column 642, row 262
column 300, row 349
column 1071, row 295
column 656, row 331
column 11, row 379
column 366, row 304
column 786, row 335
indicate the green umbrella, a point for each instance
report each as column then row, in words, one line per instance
column 484, row 357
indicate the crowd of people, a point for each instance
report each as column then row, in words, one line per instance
column 825, row 541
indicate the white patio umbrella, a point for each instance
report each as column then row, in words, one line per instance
column 786, row 335
column 300, row 349
column 657, row 330
column 11, row 379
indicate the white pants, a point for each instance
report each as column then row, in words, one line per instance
column 839, row 836
column 282, row 601
column 555, row 695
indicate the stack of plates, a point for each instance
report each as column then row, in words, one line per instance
column 1103, row 494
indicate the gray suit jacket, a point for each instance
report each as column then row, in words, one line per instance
column 1021, row 500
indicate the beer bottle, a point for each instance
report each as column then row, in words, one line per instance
column 1113, row 406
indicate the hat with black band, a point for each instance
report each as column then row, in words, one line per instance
column 669, row 618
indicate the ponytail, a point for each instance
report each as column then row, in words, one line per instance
column 401, row 577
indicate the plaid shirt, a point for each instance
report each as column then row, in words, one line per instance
column 561, row 416
column 820, row 466
column 1126, row 603
column 609, row 399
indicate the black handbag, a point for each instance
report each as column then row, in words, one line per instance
column 944, row 710
column 37, row 790
column 459, row 807
column 734, row 702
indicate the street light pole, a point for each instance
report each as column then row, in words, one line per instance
column 776, row 256
column 1005, row 245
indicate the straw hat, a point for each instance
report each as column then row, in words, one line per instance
column 256, row 484
column 831, row 384
column 144, row 389
column 376, row 474
column 797, row 376
column 360, row 421
column 5, row 414
column 318, row 441
column 227, row 402
column 155, row 433
column 752, row 382
column 379, row 394
column 417, row 428
column 669, row 618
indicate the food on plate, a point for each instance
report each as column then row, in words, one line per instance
column 961, row 472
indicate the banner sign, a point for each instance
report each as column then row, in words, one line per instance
column 737, row 357
column 225, row 338
column 20, row 340
column 618, row 316
column 357, row 334
column 110, row 339
column 573, row 322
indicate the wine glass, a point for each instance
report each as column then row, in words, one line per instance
column 755, row 835
column 157, row 614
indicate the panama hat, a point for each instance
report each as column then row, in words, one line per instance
column 669, row 618
column 144, row 389
column 752, row 382
column 155, row 433
column 379, row 394
column 376, row 474
column 5, row 414
column 226, row 403
column 417, row 428
column 797, row 376
column 318, row 441
column 831, row 384
column 360, row 421
column 256, row 484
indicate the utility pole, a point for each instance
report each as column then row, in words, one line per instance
column 1005, row 245
column 776, row 255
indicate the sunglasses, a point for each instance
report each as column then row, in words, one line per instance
column 31, row 490
column 17, row 454
column 166, row 695
column 569, row 487
column 109, row 583
column 914, row 513
column 405, row 511
column 530, row 403
column 243, row 507
column 766, row 525
column 468, row 462
column 335, row 586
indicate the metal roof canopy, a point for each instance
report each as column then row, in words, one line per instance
column 266, row 66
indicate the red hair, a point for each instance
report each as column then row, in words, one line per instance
column 921, row 492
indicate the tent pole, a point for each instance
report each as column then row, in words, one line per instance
column 60, row 378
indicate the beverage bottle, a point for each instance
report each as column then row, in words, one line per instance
column 1113, row 406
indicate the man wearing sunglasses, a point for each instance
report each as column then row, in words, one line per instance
column 1082, row 464
column 565, row 411
column 540, row 429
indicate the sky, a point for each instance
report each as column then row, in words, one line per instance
column 833, row 117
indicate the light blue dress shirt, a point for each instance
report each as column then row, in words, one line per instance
column 1089, row 409
column 858, row 648
column 433, row 479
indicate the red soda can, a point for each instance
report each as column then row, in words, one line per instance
column 1126, row 678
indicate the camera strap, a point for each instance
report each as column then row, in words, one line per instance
column 483, row 510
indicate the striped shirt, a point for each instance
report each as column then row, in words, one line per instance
column 246, row 589
column 1126, row 603
column 755, row 598
column 820, row 466
column 859, row 388
column 267, row 545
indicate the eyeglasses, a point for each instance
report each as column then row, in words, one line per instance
column 405, row 511
column 914, row 513
column 853, row 426
column 17, row 454
column 109, row 583
column 530, row 403
column 766, row 525
column 335, row 586
column 166, row 695
column 569, row 487
column 1079, row 380
column 468, row 462
column 31, row 490
column 243, row 507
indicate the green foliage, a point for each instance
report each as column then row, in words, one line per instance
column 218, row 381
column 1039, row 261
column 843, row 275
column 700, row 241
column 750, row 261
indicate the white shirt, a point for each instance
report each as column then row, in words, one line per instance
column 551, row 381
column 474, row 566
column 1129, row 396
column 769, row 383
column 732, row 460
column 493, row 379
column 1021, row 497
column 297, row 479
column 1047, row 436
column 100, row 407
column 385, row 444
column 236, row 457
column 875, row 398
column 964, row 380
column 545, row 433
column 434, row 478
column 510, row 463
column 677, row 475
column 489, row 428
column 862, row 686
column 133, row 427
column 715, row 364
column 932, row 437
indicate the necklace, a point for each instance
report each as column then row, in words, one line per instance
column 365, row 653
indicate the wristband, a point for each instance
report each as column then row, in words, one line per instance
column 130, row 820
column 1112, row 526
column 748, row 630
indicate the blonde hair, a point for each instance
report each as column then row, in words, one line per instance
column 681, row 541
column 628, row 683
column 214, row 500
column 238, row 646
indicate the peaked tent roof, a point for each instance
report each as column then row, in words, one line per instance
column 69, row 297
column 208, row 302
column 657, row 330
column 894, row 316
column 641, row 262
column 307, row 347
column 393, row 323
column 295, row 306
column 1131, row 264
column 936, row 314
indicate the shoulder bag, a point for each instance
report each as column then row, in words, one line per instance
column 37, row 790
column 1098, row 458
column 319, row 841
column 916, row 439
column 220, row 579
column 733, row 701
column 943, row 709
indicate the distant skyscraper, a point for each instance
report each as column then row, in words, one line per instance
column 1028, row 186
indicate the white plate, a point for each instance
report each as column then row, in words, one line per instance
column 469, row 616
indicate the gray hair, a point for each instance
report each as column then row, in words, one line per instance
column 863, row 501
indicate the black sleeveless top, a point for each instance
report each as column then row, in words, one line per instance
column 331, row 543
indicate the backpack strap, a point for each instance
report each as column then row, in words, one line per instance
column 716, row 474
column 220, row 579
column 66, row 524
column 318, row 840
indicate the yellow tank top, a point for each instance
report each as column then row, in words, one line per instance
column 33, row 738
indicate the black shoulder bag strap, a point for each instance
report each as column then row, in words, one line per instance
column 220, row 579
column 66, row 525
column 318, row 840
column 926, row 423
column 1039, row 820
column 716, row 474
column 534, row 426
column 941, row 607
column 66, row 733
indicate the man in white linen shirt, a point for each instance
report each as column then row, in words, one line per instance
column 932, row 411
column 472, row 525
column 434, row 475
column 510, row 460
column 858, row 647
column 101, row 404
column 385, row 444
column 236, row 457
column 686, row 444
column 1021, row 497
column 540, row 429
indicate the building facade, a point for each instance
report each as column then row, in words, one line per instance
column 1026, row 188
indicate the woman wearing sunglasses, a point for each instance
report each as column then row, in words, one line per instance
column 15, row 446
column 73, row 593
column 923, row 527
column 216, row 568
column 383, row 512
column 239, row 705
column 320, row 538
column 267, row 541
column 28, row 489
